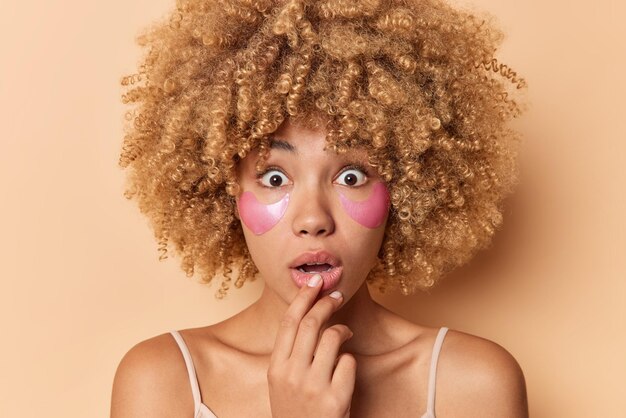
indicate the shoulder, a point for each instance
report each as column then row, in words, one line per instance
column 480, row 377
column 152, row 380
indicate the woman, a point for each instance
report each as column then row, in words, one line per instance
column 322, row 147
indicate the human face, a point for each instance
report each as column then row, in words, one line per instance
column 311, row 205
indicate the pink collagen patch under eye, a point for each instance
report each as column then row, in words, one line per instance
column 370, row 212
column 259, row 217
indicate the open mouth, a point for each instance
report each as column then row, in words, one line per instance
column 321, row 262
column 314, row 268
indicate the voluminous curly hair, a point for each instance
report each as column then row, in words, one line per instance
column 415, row 82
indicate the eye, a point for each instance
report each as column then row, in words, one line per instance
column 353, row 177
column 273, row 178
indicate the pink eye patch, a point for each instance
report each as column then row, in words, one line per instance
column 259, row 217
column 370, row 212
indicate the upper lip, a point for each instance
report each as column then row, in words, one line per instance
column 319, row 257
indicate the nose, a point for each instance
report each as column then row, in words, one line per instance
column 312, row 213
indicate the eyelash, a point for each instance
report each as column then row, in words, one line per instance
column 359, row 167
column 260, row 175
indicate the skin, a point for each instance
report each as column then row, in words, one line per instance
column 260, row 362
column 372, row 212
column 259, row 217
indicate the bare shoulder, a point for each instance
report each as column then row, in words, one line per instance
column 479, row 378
column 152, row 381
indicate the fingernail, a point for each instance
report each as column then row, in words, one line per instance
column 314, row 281
column 336, row 295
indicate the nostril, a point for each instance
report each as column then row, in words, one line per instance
column 313, row 224
column 318, row 232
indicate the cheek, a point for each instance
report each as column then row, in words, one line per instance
column 259, row 217
column 370, row 212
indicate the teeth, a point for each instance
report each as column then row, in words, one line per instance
column 313, row 272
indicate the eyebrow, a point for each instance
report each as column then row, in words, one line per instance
column 276, row 143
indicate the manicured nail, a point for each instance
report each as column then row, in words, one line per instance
column 336, row 295
column 314, row 281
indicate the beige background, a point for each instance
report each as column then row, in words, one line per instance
column 80, row 280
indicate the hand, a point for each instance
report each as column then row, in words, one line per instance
column 300, row 384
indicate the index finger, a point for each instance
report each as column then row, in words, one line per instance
column 291, row 320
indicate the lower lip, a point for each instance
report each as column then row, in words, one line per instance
column 330, row 278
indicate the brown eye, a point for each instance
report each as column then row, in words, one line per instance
column 352, row 177
column 273, row 178
column 276, row 180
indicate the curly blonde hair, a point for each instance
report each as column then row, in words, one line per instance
column 415, row 82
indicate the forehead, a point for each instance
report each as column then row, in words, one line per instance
column 296, row 143
column 297, row 140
